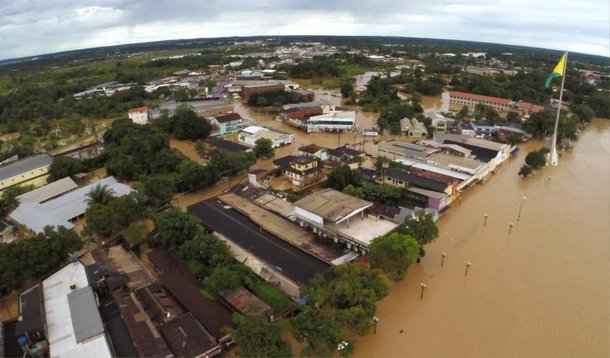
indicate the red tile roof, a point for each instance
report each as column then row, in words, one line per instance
column 530, row 107
column 311, row 148
column 228, row 117
column 478, row 97
column 138, row 109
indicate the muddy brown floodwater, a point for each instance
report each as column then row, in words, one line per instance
column 541, row 291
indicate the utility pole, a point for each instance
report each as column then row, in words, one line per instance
column 443, row 254
column 520, row 208
column 485, row 219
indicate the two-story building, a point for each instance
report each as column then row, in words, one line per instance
column 346, row 156
column 225, row 124
column 314, row 150
column 413, row 128
column 302, row 171
column 139, row 115
column 251, row 134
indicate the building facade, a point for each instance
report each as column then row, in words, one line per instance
column 140, row 115
column 225, row 124
column 32, row 170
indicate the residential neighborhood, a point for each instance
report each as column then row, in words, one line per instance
column 232, row 191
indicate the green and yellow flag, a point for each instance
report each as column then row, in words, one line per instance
column 559, row 71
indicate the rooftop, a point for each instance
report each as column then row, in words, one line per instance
column 478, row 97
column 86, row 319
column 228, row 117
column 138, row 109
column 406, row 149
column 311, row 149
column 145, row 336
column 65, row 332
column 434, row 169
column 226, row 145
column 59, row 211
column 186, row 337
column 25, row 165
column 332, row 205
column 455, row 162
column 184, row 287
column 48, row 191
column 345, row 150
column 244, row 302
column 365, row 229
column 31, row 311
column 417, row 180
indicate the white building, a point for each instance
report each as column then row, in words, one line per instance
column 73, row 322
column 342, row 218
column 62, row 210
column 139, row 115
column 333, row 121
column 251, row 134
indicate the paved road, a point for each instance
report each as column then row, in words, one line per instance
column 294, row 263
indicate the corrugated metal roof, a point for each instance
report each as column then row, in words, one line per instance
column 59, row 212
column 86, row 320
column 59, row 316
column 332, row 205
column 25, row 165
column 48, row 191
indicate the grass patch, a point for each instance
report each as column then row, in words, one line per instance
column 354, row 70
column 272, row 296
column 207, row 293
column 195, row 267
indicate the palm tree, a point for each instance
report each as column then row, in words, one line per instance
column 100, row 194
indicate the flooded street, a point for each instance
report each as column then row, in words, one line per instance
column 541, row 291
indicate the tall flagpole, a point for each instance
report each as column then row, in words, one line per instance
column 553, row 157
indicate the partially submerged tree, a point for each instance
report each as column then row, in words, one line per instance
column 394, row 254
column 257, row 337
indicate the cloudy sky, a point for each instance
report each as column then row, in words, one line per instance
column 30, row 27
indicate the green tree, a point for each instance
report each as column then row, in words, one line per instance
column 394, row 254
column 263, row 148
column 463, row 113
column 321, row 333
column 525, row 171
column 257, row 337
column 208, row 250
column 158, row 190
column 176, row 227
column 380, row 193
column 536, row 159
column 422, row 227
column 343, row 176
column 513, row 117
column 8, row 199
column 346, row 89
column 35, row 256
column 63, row 167
column 223, row 278
column 348, row 293
column 187, row 125
column 354, row 191
column 193, row 176
column 100, row 194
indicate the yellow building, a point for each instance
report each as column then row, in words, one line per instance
column 32, row 170
column 304, row 171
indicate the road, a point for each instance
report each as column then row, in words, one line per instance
column 291, row 261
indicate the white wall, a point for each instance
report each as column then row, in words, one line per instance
column 139, row 117
column 308, row 216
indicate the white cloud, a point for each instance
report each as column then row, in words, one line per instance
column 39, row 26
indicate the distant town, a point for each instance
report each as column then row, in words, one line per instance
column 203, row 200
